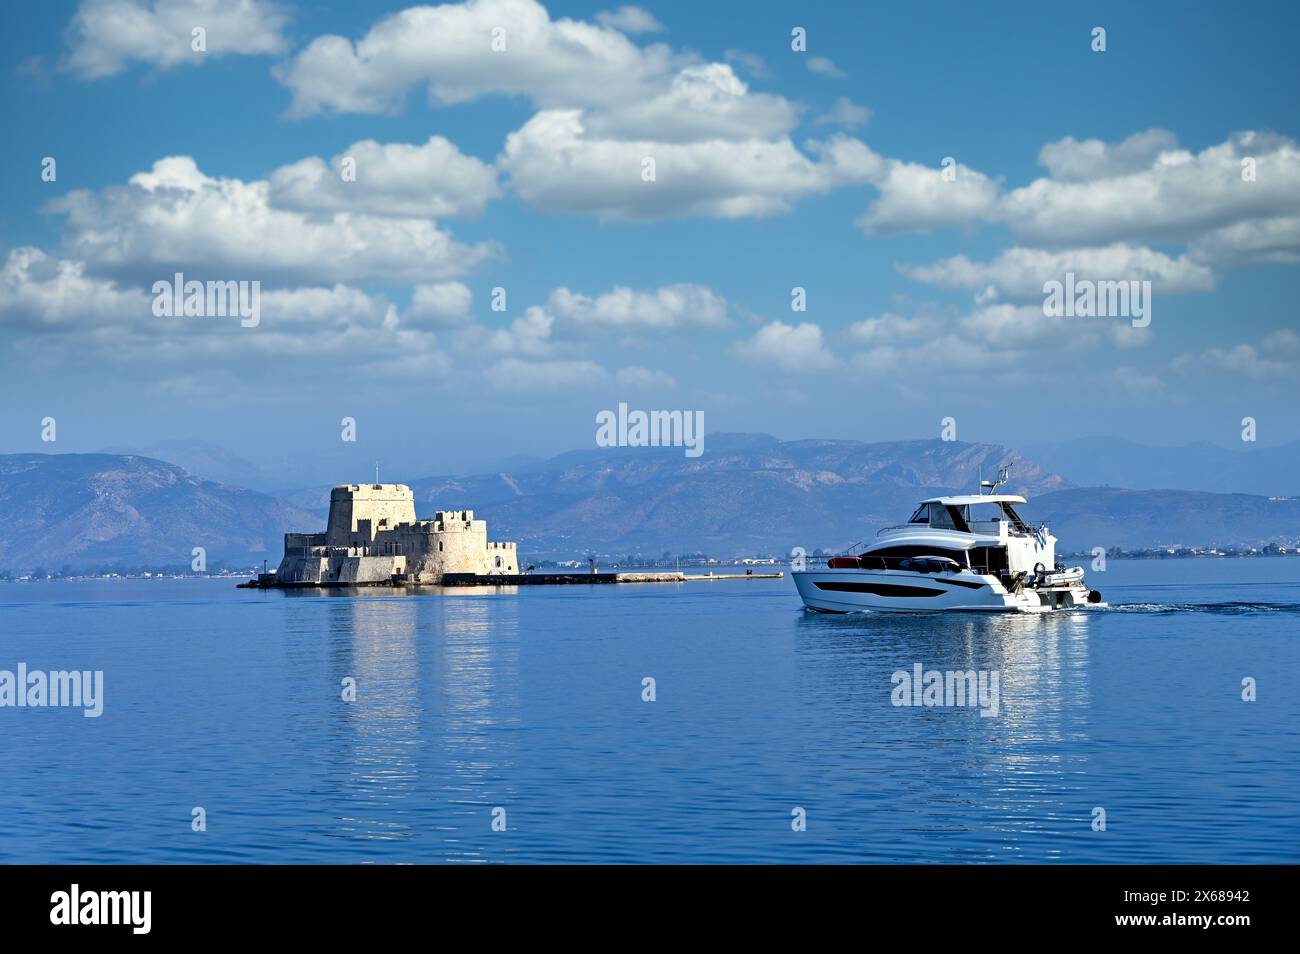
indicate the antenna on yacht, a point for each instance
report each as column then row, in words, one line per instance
column 993, row 485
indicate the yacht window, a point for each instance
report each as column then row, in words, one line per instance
column 922, row 514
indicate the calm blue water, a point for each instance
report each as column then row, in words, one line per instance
column 531, row 701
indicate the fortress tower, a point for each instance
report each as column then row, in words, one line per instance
column 373, row 537
column 359, row 511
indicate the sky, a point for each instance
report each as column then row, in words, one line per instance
column 914, row 175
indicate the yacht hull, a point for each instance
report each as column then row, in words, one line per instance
column 899, row 591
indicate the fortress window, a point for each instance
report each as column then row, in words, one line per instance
column 439, row 546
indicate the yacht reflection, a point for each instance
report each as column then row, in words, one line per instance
column 1024, row 768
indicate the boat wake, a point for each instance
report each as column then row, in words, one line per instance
column 1218, row 609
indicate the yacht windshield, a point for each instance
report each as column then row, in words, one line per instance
column 948, row 518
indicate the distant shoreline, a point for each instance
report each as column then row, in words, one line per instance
column 684, row 564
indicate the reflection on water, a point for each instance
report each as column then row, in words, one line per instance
column 1010, row 767
column 531, row 699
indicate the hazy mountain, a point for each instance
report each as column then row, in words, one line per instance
column 1083, row 518
column 91, row 510
column 203, row 459
column 748, row 492
column 1100, row 461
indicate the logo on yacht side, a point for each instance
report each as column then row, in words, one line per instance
column 1105, row 299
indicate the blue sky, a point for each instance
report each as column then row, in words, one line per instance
column 775, row 169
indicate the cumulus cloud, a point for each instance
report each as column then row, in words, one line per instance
column 569, row 320
column 38, row 291
column 794, row 349
column 107, row 35
column 176, row 217
column 331, row 329
column 700, row 103
column 1018, row 274
column 1273, row 241
column 606, row 106
column 891, row 329
column 448, row 49
column 917, row 198
column 1176, row 196
column 555, row 163
column 434, row 180
column 998, row 336
column 1234, row 203
column 1070, row 160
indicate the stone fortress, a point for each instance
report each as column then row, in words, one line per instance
column 373, row 537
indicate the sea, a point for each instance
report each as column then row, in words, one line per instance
column 699, row 722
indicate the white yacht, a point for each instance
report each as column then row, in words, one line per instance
column 955, row 553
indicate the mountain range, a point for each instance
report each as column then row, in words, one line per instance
column 749, row 493
column 83, row 511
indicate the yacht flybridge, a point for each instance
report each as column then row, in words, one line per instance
column 955, row 553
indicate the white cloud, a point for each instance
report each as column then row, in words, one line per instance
column 175, row 217
column 916, row 198
column 1018, row 274
column 825, row 66
column 663, row 309
column 528, row 335
column 1276, row 356
column 556, row 164
column 1178, row 196
column 1143, row 189
column 795, row 349
column 844, row 113
column 440, row 305
column 891, row 329
column 1273, row 241
column 41, row 292
column 448, row 50
column 630, row 20
column 433, row 180
column 1070, row 160
column 568, row 319
column 700, row 104
column 63, row 317
column 106, row 35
